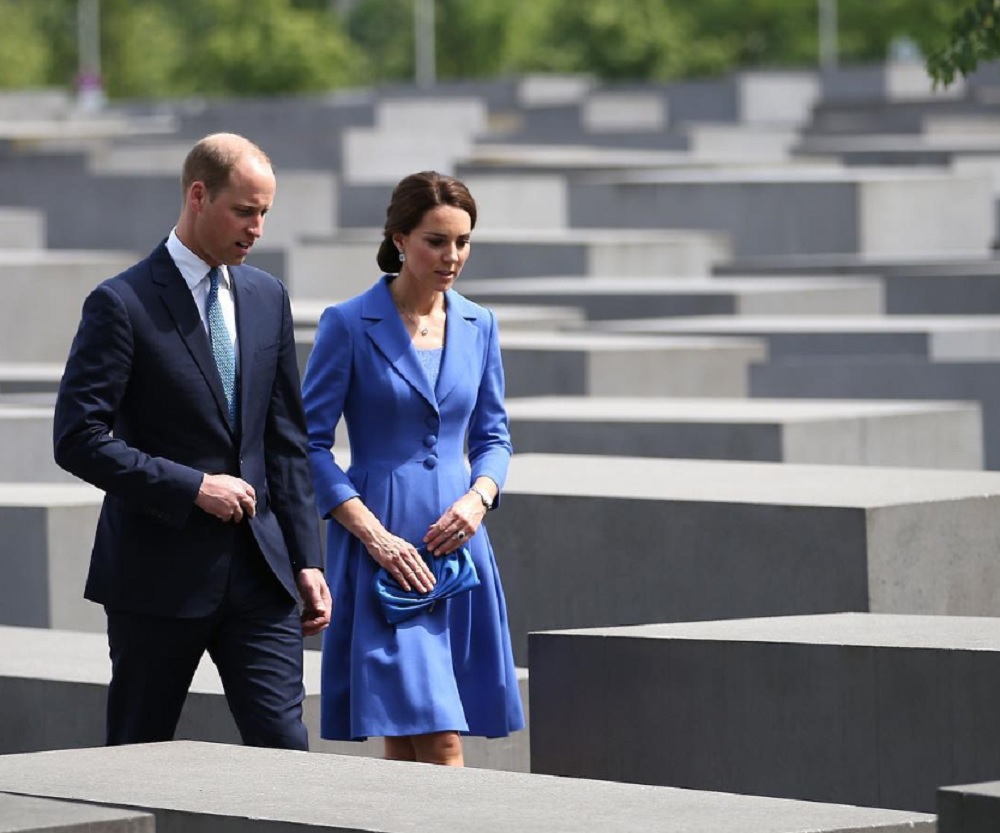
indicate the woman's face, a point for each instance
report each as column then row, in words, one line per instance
column 436, row 250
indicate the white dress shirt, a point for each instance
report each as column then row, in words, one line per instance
column 195, row 273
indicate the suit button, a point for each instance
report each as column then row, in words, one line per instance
column 431, row 461
column 430, row 440
column 433, row 422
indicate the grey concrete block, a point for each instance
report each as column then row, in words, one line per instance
column 30, row 378
column 883, row 116
column 198, row 787
column 888, row 433
column 622, row 297
column 297, row 132
column 53, row 686
column 864, row 377
column 879, row 150
column 968, row 808
column 47, row 531
column 937, row 338
column 798, row 210
column 911, row 288
column 34, row 332
column 26, row 445
column 24, row 814
column 411, row 134
column 512, row 200
column 35, row 104
column 535, row 166
column 727, row 143
column 601, row 541
column 21, row 228
column 625, row 111
column 597, row 364
column 851, row 708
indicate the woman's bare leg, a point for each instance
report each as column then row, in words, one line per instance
column 443, row 748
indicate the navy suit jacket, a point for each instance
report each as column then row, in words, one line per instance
column 142, row 415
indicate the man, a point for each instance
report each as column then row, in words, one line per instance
column 180, row 399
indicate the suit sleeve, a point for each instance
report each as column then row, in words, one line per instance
column 324, row 392
column 489, row 433
column 93, row 384
column 287, row 464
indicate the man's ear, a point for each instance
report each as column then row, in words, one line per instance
column 197, row 196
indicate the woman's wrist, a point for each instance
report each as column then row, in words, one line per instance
column 484, row 496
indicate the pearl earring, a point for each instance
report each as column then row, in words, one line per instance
column 402, row 256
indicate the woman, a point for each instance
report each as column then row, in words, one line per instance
column 414, row 368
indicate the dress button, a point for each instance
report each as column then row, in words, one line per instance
column 433, row 422
column 431, row 461
column 430, row 440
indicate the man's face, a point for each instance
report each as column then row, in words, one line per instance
column 226, row 227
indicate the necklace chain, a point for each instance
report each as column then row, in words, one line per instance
column 414, row 317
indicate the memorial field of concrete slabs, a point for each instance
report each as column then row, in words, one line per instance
column 854, row 708
column 806, row 210
column 932, row 434
column 208, row 788
column 46, row 534
column 601, row 541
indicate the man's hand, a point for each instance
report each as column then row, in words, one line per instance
column 228, row 498
column 317, row 605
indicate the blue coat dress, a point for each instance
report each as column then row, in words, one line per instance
column 452, row 668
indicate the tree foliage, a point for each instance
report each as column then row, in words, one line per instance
column 974, row 38
column 233, row 47
column 22, row 44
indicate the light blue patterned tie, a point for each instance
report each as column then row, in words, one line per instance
column 222, row 343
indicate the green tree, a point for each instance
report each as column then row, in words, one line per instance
column 611, row 39
column 143, row 49
column 383, row 31
column 214, row 47
column 26, row 54
column 179, row 47
column 974, row 38
column 753, row 33
column 277, row 49
column 232, row 47
column 868, row 29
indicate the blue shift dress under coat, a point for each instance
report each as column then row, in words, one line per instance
column 452, row 668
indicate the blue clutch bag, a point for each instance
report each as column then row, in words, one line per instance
column 455, row 573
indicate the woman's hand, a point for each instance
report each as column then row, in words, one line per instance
column 402, row 561
column 400, row 558
column 457, row 525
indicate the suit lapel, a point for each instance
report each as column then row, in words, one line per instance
column 389, row 336
column 460, row 345
column 247, row 328
column 180, row 304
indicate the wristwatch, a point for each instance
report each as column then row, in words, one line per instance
column 487, row 502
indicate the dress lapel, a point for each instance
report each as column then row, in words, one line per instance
column 460, row 348
column 389, row 336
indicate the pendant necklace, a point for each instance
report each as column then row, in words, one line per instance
column 410, row 316
column 414, row 317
